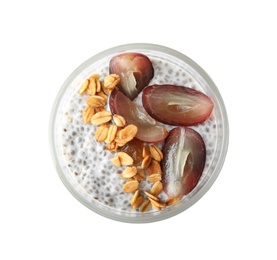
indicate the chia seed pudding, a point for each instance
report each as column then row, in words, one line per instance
column 85, row 163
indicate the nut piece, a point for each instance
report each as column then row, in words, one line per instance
column 133, row 199
column 157, row 188
column 111, row 134
column 155, row 201
column 83, row 87
column 151, row 196
column 138, row 202
column 145, row 151
column 154, row 168
column 120, row 143
column 130, row 186
column 101, row 117
column 126, row 135
column 172, row 200
column 128, row 132
column 102, row 94
column 156, row 153
column 112, row 147
column 145, row 206
column 119, row 120
column 116, row 161
column 92, row 86
column 110, row 82
column 129, row 172
column 157, row 204
column 125, row 158
column 101, row 133
column 146, row 162
column 140, row 176
column 96, row 101
column 88, row 112
column 97, row 82
column 155, row 177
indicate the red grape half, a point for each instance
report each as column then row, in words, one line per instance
column 135, row 71
column 148, row 129
column 176, row 105
column 184, row 159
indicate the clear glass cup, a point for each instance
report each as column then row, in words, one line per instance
column 171, row 67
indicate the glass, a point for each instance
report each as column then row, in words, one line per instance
column 170, row 67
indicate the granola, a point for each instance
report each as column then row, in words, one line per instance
column 113, row 130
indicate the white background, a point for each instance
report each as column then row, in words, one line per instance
column 42, row 42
